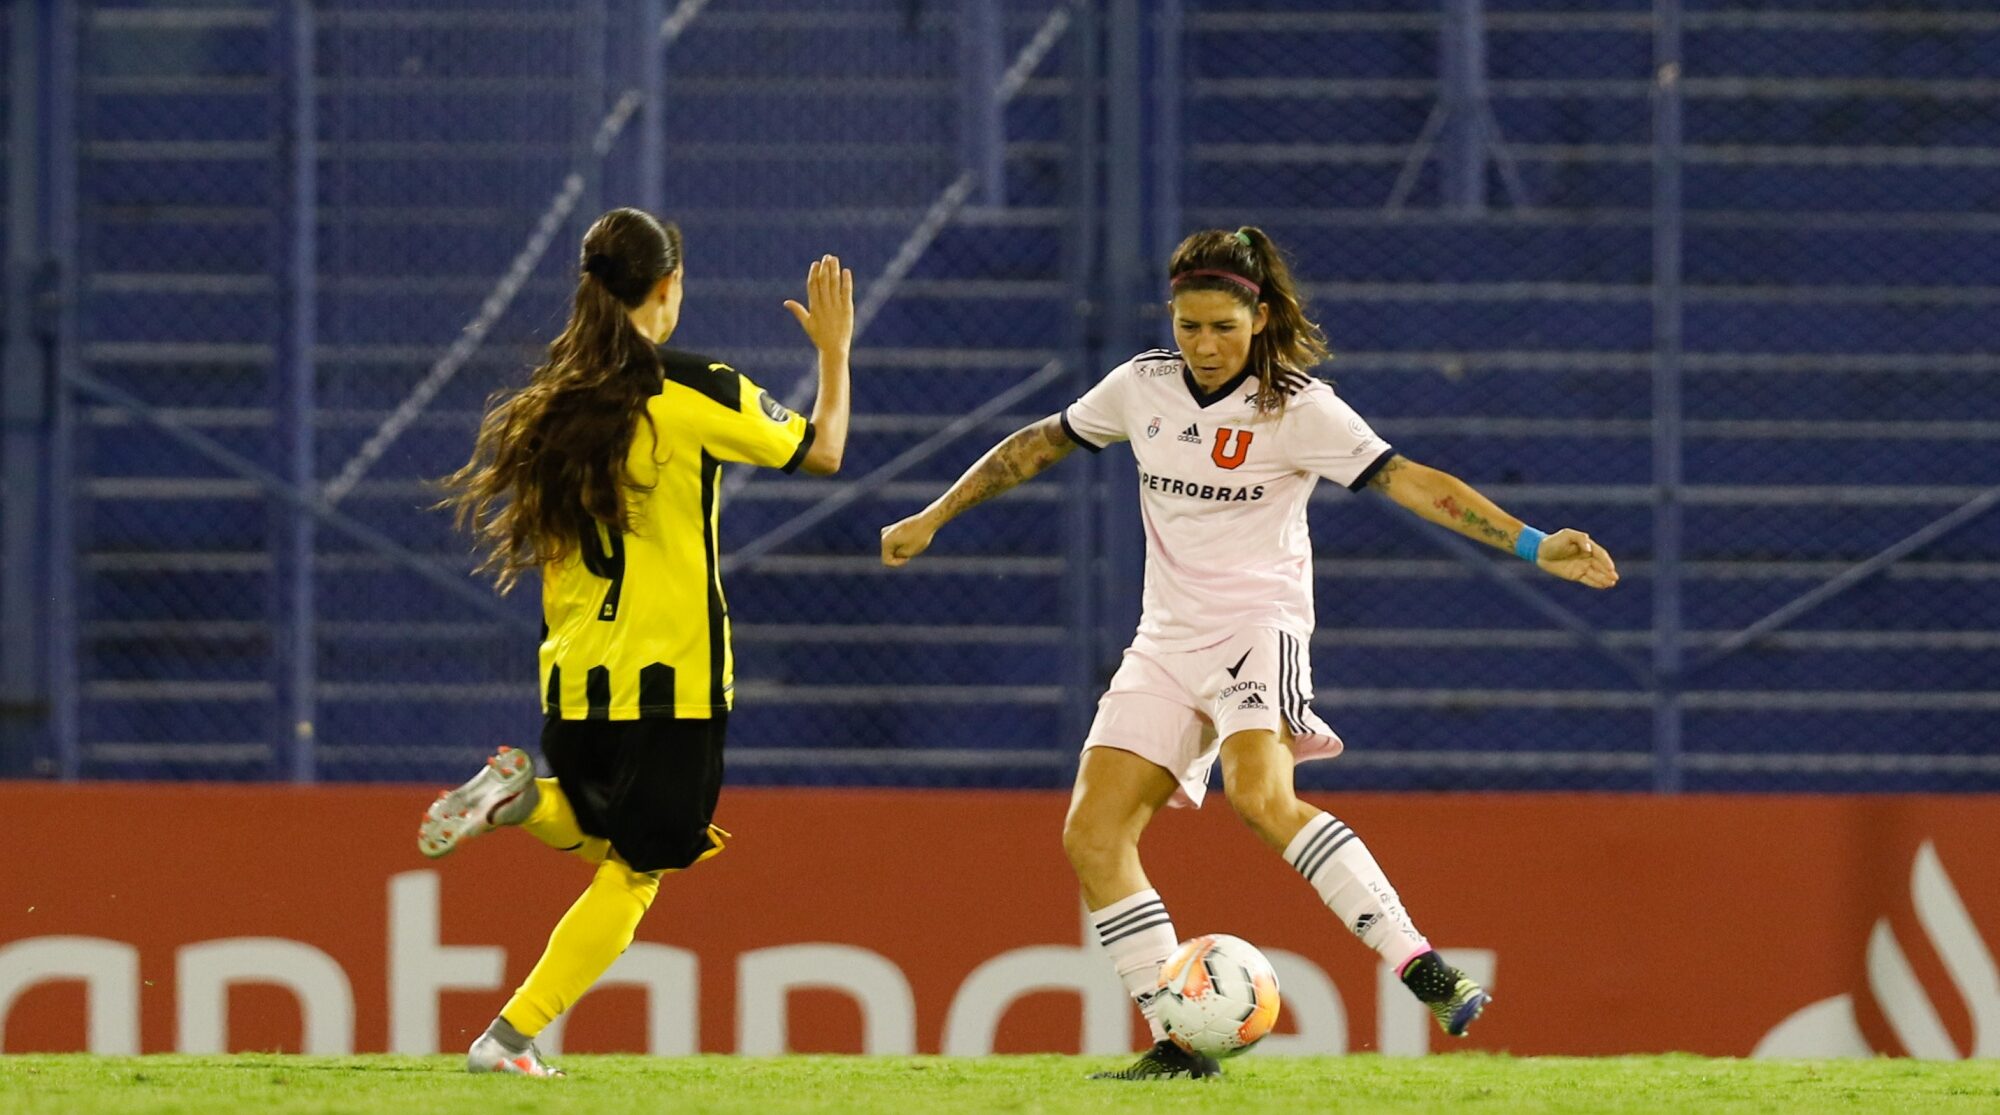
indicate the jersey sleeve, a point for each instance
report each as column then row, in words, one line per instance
column 1326, row 437
column 1098, row 418
column 745, row 424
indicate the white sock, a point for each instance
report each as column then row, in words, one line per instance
column 1139, row 935
column 1341, row 868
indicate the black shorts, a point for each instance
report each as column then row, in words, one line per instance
column 647, row 786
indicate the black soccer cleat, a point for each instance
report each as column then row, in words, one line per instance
column 1454, row 1000
column 1166, row 1061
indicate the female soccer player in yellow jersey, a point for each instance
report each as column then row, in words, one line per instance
column 603, row 473
column 1231, row 433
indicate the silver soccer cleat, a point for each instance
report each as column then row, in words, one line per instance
column 488, row 1055
column 461, row 814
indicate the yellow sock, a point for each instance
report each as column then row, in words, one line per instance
column 589, row 937
column 554, row 823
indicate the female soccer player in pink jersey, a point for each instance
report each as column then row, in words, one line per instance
column 1231, row 434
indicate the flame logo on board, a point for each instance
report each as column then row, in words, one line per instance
column 1830, row 1028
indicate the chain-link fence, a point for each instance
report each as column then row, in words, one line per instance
column 1708, row 283
column 1699, row 282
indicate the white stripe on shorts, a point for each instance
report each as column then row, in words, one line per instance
column 1290, row 700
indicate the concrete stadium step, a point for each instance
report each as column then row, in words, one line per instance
column 1222, row 174
column 1921, row 674
column 389, row 253
column 1003, row 769
column 181, row 240
column 1835, row 51
column 1817, row 530
column 128, row 517
column 1566, row 111
column 151, row 113
column 1536, row 248
column 1029, row 524
column 1803, row 723
column 754, row 47
column 1248, row 178
column 1863, row 390
column 225, row 309
column 183, row 712
column 240, row 174
column 179, row 41
column 1350, row 110
column 242, row 653
column 804, row 109
column 1944, row 326
column 145, row 594
column 893, row 663
column 1610, row 320
column 1501, row 247
column 1902, row 180
column 1408, row 48
column 849, row 176
column 1560, row 668
column 1840, row 775
column 1721, row 523
column 841, row 721
column 205, row 761
column 529, row 107
column 1726, row 521
column 975, row 313
column 1832, row 460
column 1910, row 113
column 1948, row 261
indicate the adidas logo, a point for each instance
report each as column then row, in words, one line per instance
column 1362, row 923
column 1192, row 433
column 1253, row 701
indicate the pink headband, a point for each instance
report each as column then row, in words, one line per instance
column 1227, row 276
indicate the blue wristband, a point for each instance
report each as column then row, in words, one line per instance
column 1529, row 546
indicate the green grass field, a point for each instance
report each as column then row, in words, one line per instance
column 83, row 1085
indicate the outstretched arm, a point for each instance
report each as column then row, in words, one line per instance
column 1446, row 500
column 828, row 319
column 1023, row 454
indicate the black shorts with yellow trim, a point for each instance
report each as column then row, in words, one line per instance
column 649, row 787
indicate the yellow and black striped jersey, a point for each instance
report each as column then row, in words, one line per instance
column 637, row 624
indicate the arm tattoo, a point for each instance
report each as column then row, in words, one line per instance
column 1473, row 523
column 1421, row 493
column 1385, row 475
column 1025, row 453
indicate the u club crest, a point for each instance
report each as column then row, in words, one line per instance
column 1154, row 428
column 1232, row 447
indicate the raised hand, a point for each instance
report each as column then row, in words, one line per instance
column 828, row 315
column 1571, row 555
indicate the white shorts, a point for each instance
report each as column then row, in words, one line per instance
column 1174, row 709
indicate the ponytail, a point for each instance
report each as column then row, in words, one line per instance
column 1248, row 266
column 550, row 462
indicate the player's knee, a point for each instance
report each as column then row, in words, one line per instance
column 1092, row 848
column 1264, row 807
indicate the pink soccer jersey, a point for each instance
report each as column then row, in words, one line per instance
column 1223, row 489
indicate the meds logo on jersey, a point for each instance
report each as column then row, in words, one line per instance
column 773, row 409
column 1154, row 427
column 1223, row 455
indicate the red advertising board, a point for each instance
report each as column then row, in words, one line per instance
column 200, row 918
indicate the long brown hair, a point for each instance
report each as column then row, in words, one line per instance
column 1291, row 345
column 550, row 461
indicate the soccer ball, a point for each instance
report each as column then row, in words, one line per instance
column 1217, row 995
